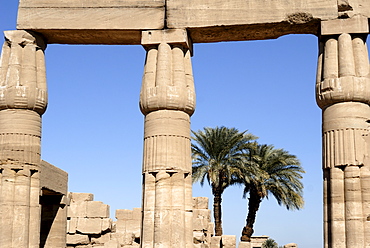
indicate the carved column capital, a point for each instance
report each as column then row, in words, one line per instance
column 22, row 72
column 168, row 81
column 343, row 73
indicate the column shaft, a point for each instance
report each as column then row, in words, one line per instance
column 23, row 100
column 343, row 93
column 353, row 207
column 167, row 100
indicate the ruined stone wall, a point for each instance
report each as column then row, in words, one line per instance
column 89, row 225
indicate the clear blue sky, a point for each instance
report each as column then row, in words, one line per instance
column 93, row 128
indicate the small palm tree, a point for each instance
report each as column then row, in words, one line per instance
column 269, row 243
column 218, row 153
column 279, row 175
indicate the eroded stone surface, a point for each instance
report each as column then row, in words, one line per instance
column 120, row 22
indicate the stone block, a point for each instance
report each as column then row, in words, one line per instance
column 77, row 197
column 215, row 242
column 77, row 209
column 202, row 214
column 89, row 225
column 212, row 21
column 291, row 245
column 228, row 241
column 53, row 178
column 112, row 244
column 72, row 225
column 114, row 225
column 358, row 24
column 198, row 237
column 77, row 239
column 131, row 246
column 106, row 224
column 124, row 238
column 201, row 245
column 172, row 36
column 244, row 244
column 121, row 226
column 200, row 224
column 200, row 202
column 136, row 214
column 91, row 22
column 97, row 209
column 133, row 226
column 102, row 239
column 124, row 214
column 210, row 229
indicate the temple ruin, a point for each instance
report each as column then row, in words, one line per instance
column 33, row 193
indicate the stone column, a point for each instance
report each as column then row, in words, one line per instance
column 343, row 93
column 167, row 100
column 23, row 100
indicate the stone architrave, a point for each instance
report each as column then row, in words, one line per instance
column 167, row 100
column 343, row 94
column 23, row 99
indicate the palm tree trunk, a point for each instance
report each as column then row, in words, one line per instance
column 253, row 206
column 217, row 199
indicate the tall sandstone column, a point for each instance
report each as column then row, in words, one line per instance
column 167, row 100
column 23, row 99
column 343, row 94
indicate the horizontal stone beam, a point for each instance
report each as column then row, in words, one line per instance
column 121, row 21
column 214, row 21
column 91, row 22
column 53, row 179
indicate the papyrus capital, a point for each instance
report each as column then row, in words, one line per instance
column 22, row 72
column 168, row 79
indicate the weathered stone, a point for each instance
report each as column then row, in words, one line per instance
column 343, row 76
column 202, row 214
column 200, row 224
column 106, row 224
column 208, row 21
column 102, row 239
column 123, row 214
column 200, row 202
column 86, row 246
column 199, row 237
column 89, row 225
column 124, row 238
column 29, row 198
column 53, row 178
column 291, row 245
column 77, row 209
column 78, row 197
column 77, row 239
column 97, row 22
column 244, row 244
column 200, row 245
column 167, row 100
column 228, row 241
column 257, row 241
column 96, row 209
column 216, row 242
column 358, row 24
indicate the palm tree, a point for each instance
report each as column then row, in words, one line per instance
column 217, row 155
column 269, row 243
column 280, row 176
